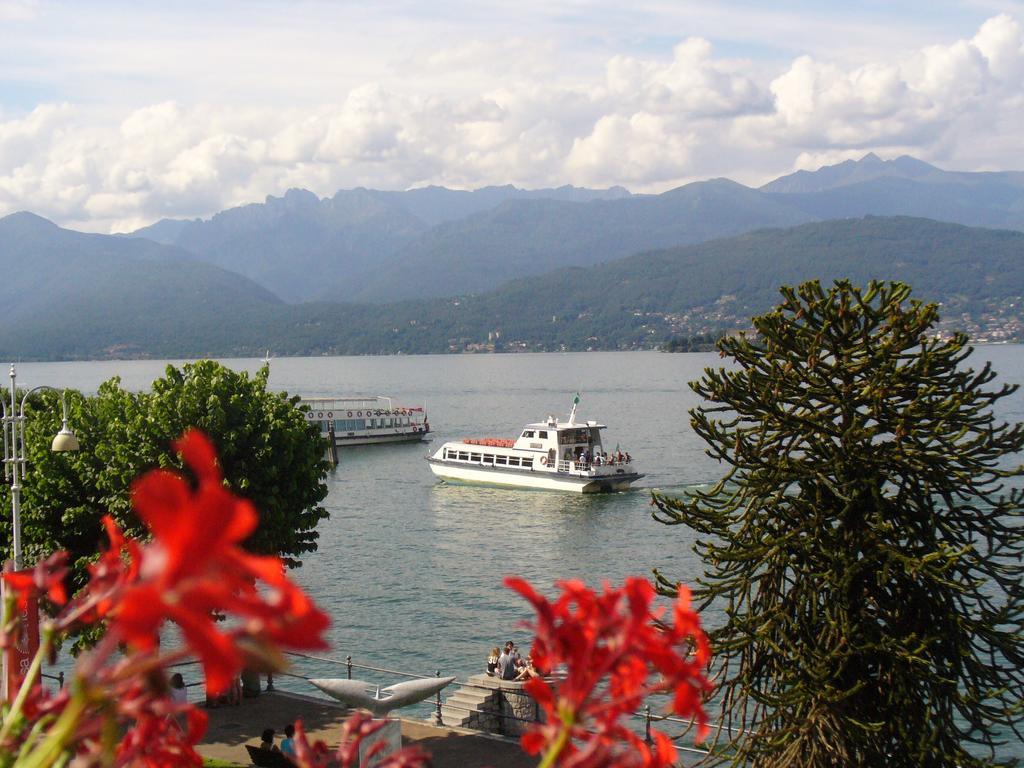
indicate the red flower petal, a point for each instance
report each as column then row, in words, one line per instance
column 198, row 452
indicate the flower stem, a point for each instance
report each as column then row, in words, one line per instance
column 31, row 676
column 551, row 756
column 49, row 752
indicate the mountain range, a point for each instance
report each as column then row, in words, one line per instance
column 372, row 246
column 433, row 269
column 162, row 303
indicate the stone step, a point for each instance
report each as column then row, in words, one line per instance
column 461, row 706
column 455, row 717
column 469, row 698
column 473, row 706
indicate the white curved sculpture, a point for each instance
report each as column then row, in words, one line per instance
column 380, row 701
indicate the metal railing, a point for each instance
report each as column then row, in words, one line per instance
column 59, row 677
column 351, row 665
column 646, row 719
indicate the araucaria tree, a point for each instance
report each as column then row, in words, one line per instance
column 864, row 547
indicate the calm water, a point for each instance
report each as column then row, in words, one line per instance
column 411, row 569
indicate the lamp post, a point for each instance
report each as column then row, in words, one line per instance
column 13, row 417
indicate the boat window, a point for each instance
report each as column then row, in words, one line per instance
column 463, row 456
column 474, row 457
column 500, row 459
column 542, row 434
column 488, row 459
column 528, row 433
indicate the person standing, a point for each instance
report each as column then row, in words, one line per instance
column 178, row 693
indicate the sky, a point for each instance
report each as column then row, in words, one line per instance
column 116, row 114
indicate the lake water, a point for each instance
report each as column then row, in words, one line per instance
column 410, row 569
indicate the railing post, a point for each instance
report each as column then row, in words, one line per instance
column 348, row 664
column 647, row 724
column 437, row 711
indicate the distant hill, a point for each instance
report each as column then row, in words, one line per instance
column 635, row 302
column 294, row 244
column 67, row 294
column 872, row 167
column 717, row 286
column 437, row 205
column 907, row 187
column 374, row 246
column 302, row 247
column 524, row 238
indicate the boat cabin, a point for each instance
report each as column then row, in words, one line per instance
column 564, row 442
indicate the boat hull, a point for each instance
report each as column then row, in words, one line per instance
column 343, row 441
column 462, row 474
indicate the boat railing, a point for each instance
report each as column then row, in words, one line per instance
column 585, row 467
column 566, row 465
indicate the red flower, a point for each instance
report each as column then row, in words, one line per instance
column 46, row 578
column 195, row 567
column 157, row 741
column 616, row 651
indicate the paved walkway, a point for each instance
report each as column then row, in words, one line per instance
column 231, row 728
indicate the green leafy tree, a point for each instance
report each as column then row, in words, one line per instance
column 269, row 454
column 865, row 544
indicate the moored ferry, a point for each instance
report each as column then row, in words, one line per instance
column 366, row 420
column 552, row 454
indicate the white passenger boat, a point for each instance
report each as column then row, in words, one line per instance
column 366, row 420
column 553, row 455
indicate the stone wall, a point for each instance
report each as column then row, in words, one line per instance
column 509, row 710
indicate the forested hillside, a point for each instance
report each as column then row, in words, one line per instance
column 640, row 301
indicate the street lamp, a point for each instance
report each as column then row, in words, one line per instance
column 14, row 448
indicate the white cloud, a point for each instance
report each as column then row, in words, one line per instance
column 639, row 149
column 18, row 10
column 491, row 111
column 692, row 84
column 914, row 102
